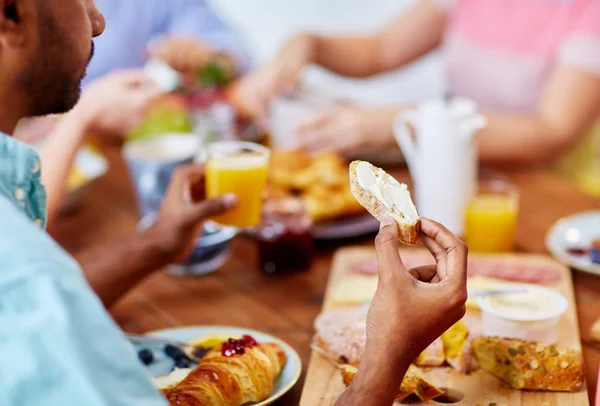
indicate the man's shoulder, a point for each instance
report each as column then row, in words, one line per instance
column 25, row 248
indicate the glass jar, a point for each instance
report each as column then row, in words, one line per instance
column 285, row 240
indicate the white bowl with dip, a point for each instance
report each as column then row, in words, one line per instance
column 531, row 315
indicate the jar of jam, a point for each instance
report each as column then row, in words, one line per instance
column 285, row 239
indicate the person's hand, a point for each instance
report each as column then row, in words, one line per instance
column 411, row 308
column 185, row 55
column 348, row 130
column 341, row 130
column 253, row 93
column 183, row 212
column 116, row 103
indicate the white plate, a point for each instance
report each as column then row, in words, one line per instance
column 578, row 230
column 284, row 382
column 347, row 228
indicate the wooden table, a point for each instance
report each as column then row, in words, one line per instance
column 286, row 305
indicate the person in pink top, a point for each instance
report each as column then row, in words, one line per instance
column 533, row 67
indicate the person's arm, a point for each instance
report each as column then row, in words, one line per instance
column 378, row 379
column 192, row 34
column 57, row 156
column 114, row 269
column 112, row 105
column 403, row 40
column 569, row 106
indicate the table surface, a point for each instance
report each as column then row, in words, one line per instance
column 286, row 305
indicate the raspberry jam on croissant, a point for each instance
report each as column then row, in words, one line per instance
column 237, row 347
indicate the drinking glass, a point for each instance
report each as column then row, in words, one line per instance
column 240, row 168
column 491, row 217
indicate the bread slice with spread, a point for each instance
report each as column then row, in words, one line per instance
column 383, row 196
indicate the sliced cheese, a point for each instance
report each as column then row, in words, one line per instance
column 355, row 289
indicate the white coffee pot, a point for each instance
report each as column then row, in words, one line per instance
column 441, row 154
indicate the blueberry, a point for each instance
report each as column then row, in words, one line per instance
column 595, row 256
column 174, row 352
column 146, row 356
column 182, row 362
column 200, row 352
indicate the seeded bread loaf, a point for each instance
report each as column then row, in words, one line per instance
column 530, row 365
column 408, row 229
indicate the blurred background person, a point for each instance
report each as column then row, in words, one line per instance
column 186, row 34
column 534, row 67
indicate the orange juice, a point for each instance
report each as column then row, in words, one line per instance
column 243, row 174
column 490, row 222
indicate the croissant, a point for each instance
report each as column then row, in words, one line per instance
column 225, row 377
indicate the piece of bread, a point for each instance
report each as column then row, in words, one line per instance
column 457, row 347
column 414, row 382
column 433, row 356
column 530, row 365
column 408, row 228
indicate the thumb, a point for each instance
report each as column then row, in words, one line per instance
column 386, row 245
column 204, row 210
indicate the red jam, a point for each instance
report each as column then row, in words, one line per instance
column 237, row 347
column 285, row 237
column 578, row 251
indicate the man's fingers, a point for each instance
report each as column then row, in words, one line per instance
column 440, row 234
column 425, row 273
column 439, row 254
column 456, row 250
column 183, row 180
column 386, row 245
column 212, row 207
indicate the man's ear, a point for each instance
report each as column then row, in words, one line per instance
column 12, row 13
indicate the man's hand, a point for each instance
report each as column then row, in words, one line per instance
column 114, row 270
column 183, row 212
column 116, row 103
column 253, row 94
column 417, row 305
column 410, row 309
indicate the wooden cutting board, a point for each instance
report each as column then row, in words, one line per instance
column 323, row 383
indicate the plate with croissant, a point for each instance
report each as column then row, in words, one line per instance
column 236, row 367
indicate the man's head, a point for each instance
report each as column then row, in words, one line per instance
column 45, row 47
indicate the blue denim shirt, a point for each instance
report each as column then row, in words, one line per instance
column 58, row 345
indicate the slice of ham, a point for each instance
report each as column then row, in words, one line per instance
column 515, row 271
column 412, row 260
column 498, row 268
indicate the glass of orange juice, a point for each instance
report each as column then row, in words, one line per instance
column 240, row 168
column 491, row 217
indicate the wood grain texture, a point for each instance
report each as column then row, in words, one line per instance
column 323, row 381
column 286, row 305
